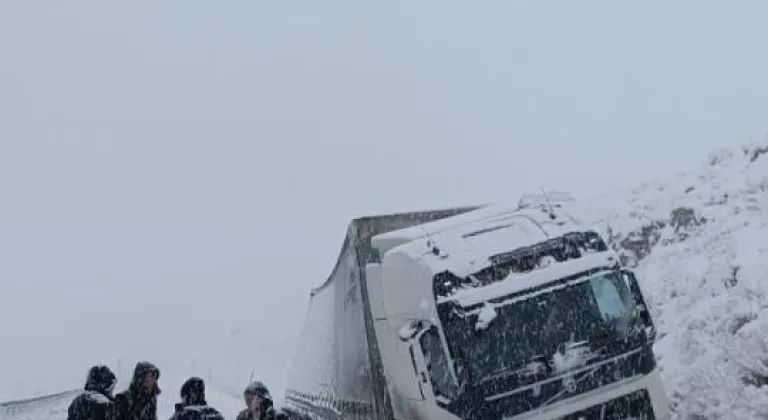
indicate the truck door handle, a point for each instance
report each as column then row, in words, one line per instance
column 423, row 377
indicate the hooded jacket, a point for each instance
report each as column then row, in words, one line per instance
column 96, row 402
column 137, row 403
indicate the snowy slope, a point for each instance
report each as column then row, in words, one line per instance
column 700, row 243
column 48, row 407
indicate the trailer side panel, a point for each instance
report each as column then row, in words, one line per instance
column 331, row 376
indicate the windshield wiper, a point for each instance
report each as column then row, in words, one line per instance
column 630, row 335
column 536, row 365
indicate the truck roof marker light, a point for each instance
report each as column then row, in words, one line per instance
column 550, row 207
column 431, row 244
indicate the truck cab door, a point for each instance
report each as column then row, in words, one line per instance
column 411, row 377
column 419, row 372
column 431, row 367
column 436, row 372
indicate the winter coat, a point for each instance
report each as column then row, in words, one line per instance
column 196, row 412
column 258, row 388
column 96, row 402
column 245, row 415
column 269, row 414
column 136, row 403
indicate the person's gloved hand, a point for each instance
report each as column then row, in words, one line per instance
column 269, row 414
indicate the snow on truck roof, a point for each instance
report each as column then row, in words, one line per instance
column 487, row 214
column 465, row 247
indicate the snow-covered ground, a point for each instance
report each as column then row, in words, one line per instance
column 700, row 246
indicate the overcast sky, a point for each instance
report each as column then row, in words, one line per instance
column 155, row 156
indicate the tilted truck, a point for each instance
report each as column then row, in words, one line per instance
column 488, row 312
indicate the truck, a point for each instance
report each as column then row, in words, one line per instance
column 500, row 311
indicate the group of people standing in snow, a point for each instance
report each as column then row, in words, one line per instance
column 139, row 401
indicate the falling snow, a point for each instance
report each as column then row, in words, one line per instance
column 699, row 245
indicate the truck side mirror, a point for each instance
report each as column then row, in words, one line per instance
column 412, row 329
column 640, row 307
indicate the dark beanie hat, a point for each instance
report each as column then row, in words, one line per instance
column 193, row 391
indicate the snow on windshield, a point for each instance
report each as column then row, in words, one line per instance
column 485, row 316
column 572, row 356
column 471, row 291
column 607, row 296
column 509, row 335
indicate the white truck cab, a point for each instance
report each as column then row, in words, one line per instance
column 496, row 312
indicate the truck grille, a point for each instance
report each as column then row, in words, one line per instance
column 634, row 406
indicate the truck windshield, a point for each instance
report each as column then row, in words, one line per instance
column 517, row 334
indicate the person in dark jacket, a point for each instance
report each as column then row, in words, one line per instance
column 139, row 401
column 193, row 405
column 259, row 404
column 96, row 402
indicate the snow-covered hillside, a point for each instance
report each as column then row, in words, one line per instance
column 700, row 246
